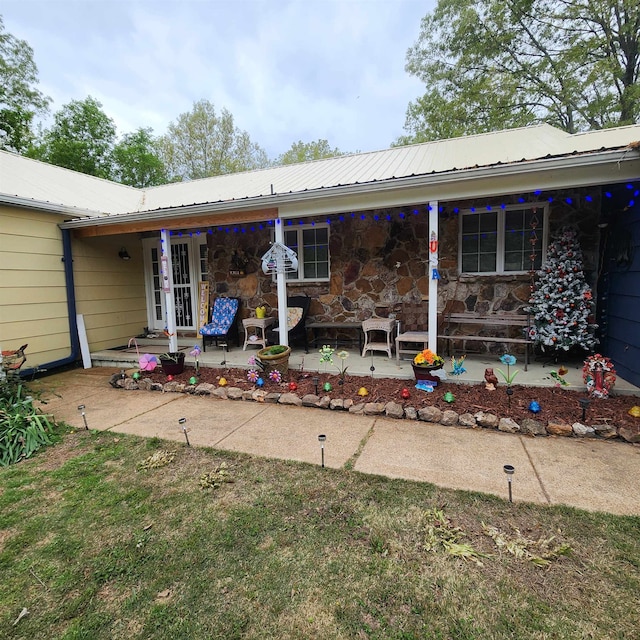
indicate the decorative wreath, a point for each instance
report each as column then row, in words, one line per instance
column 599, row 374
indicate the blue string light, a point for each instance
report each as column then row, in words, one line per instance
column 402, row 215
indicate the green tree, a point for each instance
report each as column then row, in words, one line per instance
column 493, row 64
column 137, row 160
column 20, row 101
column 82, row 139
column 201, row 143
column 305, row 151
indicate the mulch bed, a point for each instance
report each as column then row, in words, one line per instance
column 555, row 402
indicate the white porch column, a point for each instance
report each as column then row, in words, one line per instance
column 433, row 282
column 281, row 286
column 167, row 288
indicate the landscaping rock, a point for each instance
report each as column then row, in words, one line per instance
column 130, row 384
column 145, row 384
column 310, row 400
column 325, row 401
column 348, row 403
column 559, row 428
column 410, row 413
column 338, row 403
column 272, row 397
column 605, row 431
column 508, row 425
column 220, row 392
column 430, row 414
column 290, row 399
column 394, row 410
column 234, row 393
column 467, row 420
column 449, row 418
column 174, row 387
column 486, row 420
column 373, row 408
column 357, row 408
column 247, row 395
column 258, row 395
column 630, row 434
column 533, row 427
column 204, row 389
column 582, row 431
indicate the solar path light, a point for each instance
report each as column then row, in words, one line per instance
column 84, row 417
column 321, row 439
column 509, row 470
column 183, row 424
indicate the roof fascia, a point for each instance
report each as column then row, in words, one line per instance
column 47, row 207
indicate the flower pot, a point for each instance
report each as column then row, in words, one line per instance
column 278, row 361
column 173, row 365
column 425, row 373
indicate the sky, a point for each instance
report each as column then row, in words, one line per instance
column 287, row 70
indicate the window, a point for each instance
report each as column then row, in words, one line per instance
column 499, row 241
column 311, row 244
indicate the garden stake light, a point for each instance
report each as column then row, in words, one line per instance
column 584, row 404
column 315, row 383
column 321, row 439
column 84, row 418
column 509, row 469
column 182, row 422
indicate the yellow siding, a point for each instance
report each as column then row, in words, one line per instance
column 33, row 300
column 109, row 291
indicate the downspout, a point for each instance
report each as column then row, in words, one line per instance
column 67, row 259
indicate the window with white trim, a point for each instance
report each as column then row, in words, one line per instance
column 498, row 241
column 311, row 244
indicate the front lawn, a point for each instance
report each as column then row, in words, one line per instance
column 98, row 542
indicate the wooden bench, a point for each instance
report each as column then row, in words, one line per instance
column 500, row 320
column 318, row 327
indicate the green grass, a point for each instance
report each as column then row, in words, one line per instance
column 94, row 547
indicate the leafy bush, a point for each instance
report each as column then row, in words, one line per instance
column 23, row 428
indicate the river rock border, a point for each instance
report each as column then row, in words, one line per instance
column 448, row 417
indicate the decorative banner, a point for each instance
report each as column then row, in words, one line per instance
column 166, row 281
column 203, row 303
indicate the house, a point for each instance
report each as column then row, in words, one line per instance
column 362, row 226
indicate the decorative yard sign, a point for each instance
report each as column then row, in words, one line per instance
column 203, row 304
column 279, row 259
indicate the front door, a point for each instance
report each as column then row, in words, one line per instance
column 188, row 261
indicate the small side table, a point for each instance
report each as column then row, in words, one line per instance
column 257, row 335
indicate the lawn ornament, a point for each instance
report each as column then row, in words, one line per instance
column 362, row 391
column 293, row 386
column 222, row 382
column 404, row 394
column 491, row 379
column 449, row 397
column 534, row 407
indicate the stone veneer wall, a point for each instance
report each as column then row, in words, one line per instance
column 378, row 265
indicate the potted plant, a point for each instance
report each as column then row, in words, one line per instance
column 424, row 363
column 274, row 357
column 172, row 362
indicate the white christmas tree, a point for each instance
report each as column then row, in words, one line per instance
column 561, row 301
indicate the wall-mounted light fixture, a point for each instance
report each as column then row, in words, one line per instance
column 124, row 254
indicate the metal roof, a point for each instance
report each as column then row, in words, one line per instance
column 82, row 195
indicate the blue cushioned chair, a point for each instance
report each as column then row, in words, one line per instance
column 224, row 322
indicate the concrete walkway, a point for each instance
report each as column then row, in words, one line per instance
column 590, row 474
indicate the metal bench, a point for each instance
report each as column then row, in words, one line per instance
column 500, row 320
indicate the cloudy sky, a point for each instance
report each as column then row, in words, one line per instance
column 287, row 70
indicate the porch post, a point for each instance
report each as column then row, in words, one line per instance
column 167, row 288
column 281, row 286
column 433, row 282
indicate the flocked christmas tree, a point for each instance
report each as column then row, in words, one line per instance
column 561, row 301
